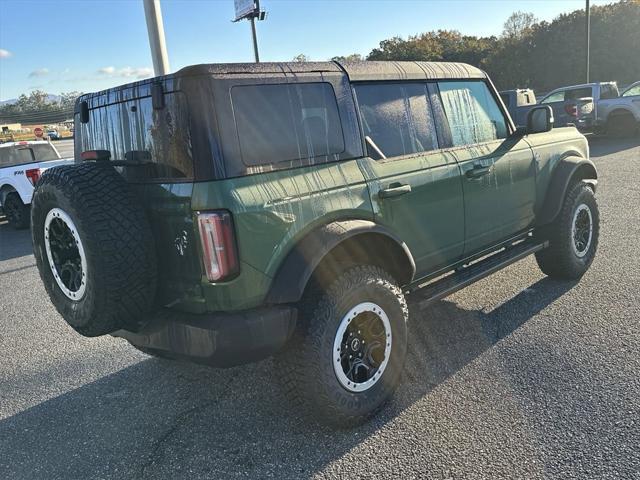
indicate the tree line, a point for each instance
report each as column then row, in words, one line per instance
column 534, row 54
column 38, row 107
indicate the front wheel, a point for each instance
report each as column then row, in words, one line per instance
column 346, row 357
column 573, row 236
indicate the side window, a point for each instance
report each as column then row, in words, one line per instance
column 473, row 113
column 396, row 118
column 279, row 123
column 608, row 91
column 44, row 152
column 554, row 97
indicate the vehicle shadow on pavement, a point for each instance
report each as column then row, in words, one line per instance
column 162, row 419
column 14, row 243
column 602, row 146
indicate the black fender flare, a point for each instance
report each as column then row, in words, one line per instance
column 297, row 268
column 565, row 173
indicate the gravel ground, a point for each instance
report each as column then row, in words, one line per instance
column 517, row 376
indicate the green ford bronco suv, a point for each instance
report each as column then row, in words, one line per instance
column 226, row 213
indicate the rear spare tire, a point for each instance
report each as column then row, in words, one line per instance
column 94, row 248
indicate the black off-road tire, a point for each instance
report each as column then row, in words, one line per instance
column 560, row 260
column 117, row 241
column 306, row 364
column 17, row 213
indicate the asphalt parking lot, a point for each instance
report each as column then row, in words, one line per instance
column 517, row 376
column 64, row 147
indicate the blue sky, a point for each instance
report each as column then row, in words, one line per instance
column 86, row 45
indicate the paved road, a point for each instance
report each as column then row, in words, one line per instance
column 517, row 376
column 64, row 147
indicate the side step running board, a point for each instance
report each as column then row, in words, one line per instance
column 461, row 278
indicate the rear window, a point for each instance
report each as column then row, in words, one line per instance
column 286, row 124
column 21, row 154
column 154, row 143
column 577, row 93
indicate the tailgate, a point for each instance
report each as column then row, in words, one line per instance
column 168, row 208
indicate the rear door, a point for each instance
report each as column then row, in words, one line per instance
column 415, row 187
column 498, row 170
column 153, row 146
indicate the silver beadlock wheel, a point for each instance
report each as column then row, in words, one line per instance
column 581, row 230
column 65, row 254
column 362, row 347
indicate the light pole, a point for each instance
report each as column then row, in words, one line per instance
column 155, row 28
column 254, row 34
column 250, row 9
column 588, row 32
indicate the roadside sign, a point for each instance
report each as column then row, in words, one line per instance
column 244, row 8
column 38, row 132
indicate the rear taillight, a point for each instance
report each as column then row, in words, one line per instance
column 33, row 174
column 218, row 245
column 571, row 109
column 95, row 155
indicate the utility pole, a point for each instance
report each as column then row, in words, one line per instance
column 155, row 28
column 588, row 32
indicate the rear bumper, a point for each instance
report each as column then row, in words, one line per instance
column 220, row 339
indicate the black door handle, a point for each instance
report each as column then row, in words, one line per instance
column 394, row 190
column 477, row 171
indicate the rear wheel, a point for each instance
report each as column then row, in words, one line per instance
column 573, row 236
column 346, row 357
column 17, row 212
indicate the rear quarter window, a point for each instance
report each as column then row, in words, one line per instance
column 286, row 125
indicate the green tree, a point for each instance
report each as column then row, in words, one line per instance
column 68, row 99
column 37, row 100
column 354, row 57
column 518, row 24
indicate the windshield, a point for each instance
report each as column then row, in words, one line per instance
column 21, row 154
column 633, row 91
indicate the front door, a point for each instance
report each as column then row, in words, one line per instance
column 415, row 188
column 498, row 171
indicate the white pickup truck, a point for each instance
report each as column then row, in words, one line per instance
column 613, row 113
column 21, row 164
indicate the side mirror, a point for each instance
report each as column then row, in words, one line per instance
column 540, row 119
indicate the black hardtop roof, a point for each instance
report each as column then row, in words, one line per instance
column 356, row 71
